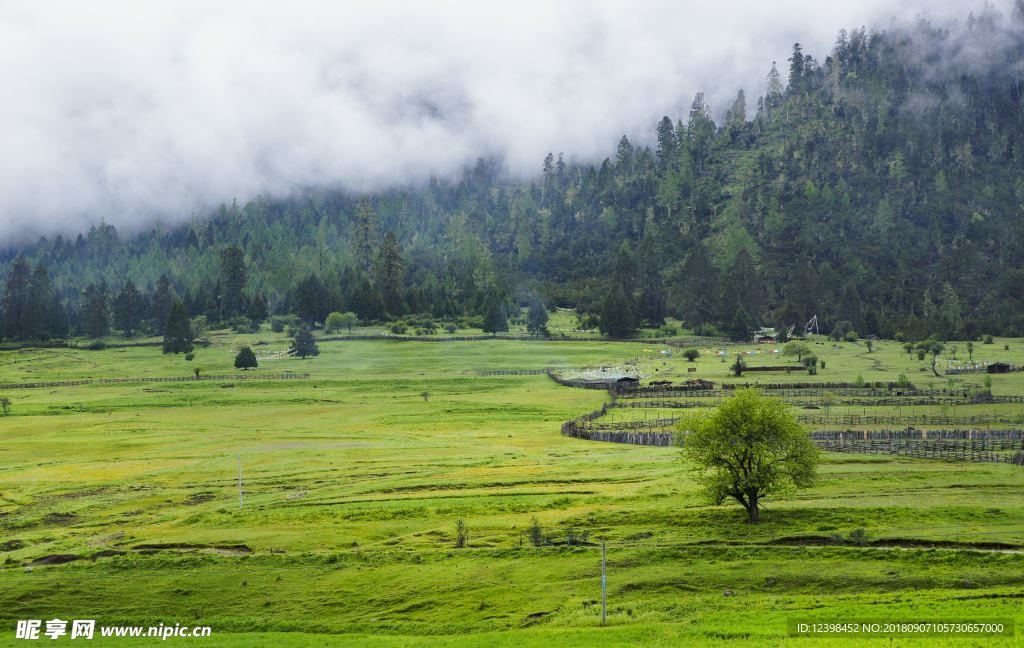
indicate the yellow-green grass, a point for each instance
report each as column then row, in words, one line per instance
column 353, row 484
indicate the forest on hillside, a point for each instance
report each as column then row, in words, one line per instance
column 880, row 189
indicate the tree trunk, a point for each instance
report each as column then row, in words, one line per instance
column 752, row 510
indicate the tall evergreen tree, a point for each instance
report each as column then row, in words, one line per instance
column 233, row 276
column 57, row 318
column 495, row 317
column 696, row 283
column 40, row 294
column 97, row 309
column 305, row 343
column 651, row 300
column 312, row 300
column 161, row 304
column 16, row 296
column 365, row 230
column 128, row 309
column 389, row 270
column 617, row 319
column 177, row 330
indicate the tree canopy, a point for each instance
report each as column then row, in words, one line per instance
column 748, row 448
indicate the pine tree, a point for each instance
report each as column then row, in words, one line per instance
column 696, row 283
column 651, row 300
column 495, row 319
column 40, row 294
column 97, row 309
column 311, row 300
column 57, row 318
column 16, row 296
column 389, row 270
column 177, row 330
column 537, row 317
column 617, row 319
column 625, row 274
column 364, row 235
column 128, row 309
column 258, row 310
column 161, row 304
column 305, row 343
column 245, row 359
column 233, row 275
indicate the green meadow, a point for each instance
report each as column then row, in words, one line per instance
column 123, row 498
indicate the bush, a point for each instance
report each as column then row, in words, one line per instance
column 705, row 330
column 277, row 324
column 691, row 354
column 461, row 534
column 668, row 331
column 398, row 328
column 920, row 354
column 451, row 328
column 859, row 382
column 858, row 537
column 737, row 367
column 851, row 336
column 989, row 340
column 822, row 365
column 189, row 357
column 902, row 382
column 810, row 361
column 97, row 345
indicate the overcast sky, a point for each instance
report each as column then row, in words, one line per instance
column 131, row 111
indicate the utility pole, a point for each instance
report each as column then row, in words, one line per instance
column 603, row 583
column 239, row 481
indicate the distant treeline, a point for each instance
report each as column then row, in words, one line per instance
column 879, row 188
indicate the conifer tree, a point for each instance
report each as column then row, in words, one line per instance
column 617, row 319
column 305, row 343
column 178, row 330
column 97, row 309
column 40, row 294
column 57, row 318
column 245, row 359
column 233, row 275
column 15, row 297
column 161, row 304
column 389, row 270
column 495, row 319
column 364, row 235
column 128, row 309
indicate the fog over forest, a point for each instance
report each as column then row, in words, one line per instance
column 130, row 113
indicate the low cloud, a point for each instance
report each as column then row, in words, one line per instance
column 134, row 111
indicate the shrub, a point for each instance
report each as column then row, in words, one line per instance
column 97, row 345
column 989, row 340
column 737, row 367
column 822, row 363
column 858, row 537
column 198, row 369
column 859, row 382
column 902, row 382
column 398, row 328
column 190, row 356
column 851, row 336
column 451, row 328
column 691, row 354
column 920, row 354
column 535, row 533
column 276, row 324
column 461, row 534
column 987, row 381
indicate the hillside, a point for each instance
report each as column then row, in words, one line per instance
column 879, row 188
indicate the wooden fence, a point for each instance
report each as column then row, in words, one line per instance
column 72, row 383
column 976, row 451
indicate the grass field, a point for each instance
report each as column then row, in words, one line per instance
column 353, row 484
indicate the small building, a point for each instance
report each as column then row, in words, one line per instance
column 628, row 381
column 999, row 367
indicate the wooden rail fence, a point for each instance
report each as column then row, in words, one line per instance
column 72, row 383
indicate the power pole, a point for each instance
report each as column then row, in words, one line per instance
column 239, row 481
column 603, row 584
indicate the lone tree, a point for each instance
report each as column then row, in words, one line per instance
column 244, row 359
column 495, row 320
column 796, row 348
column 747, row 448
column 691, row 354
column 305, row 343
column 178, row 331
